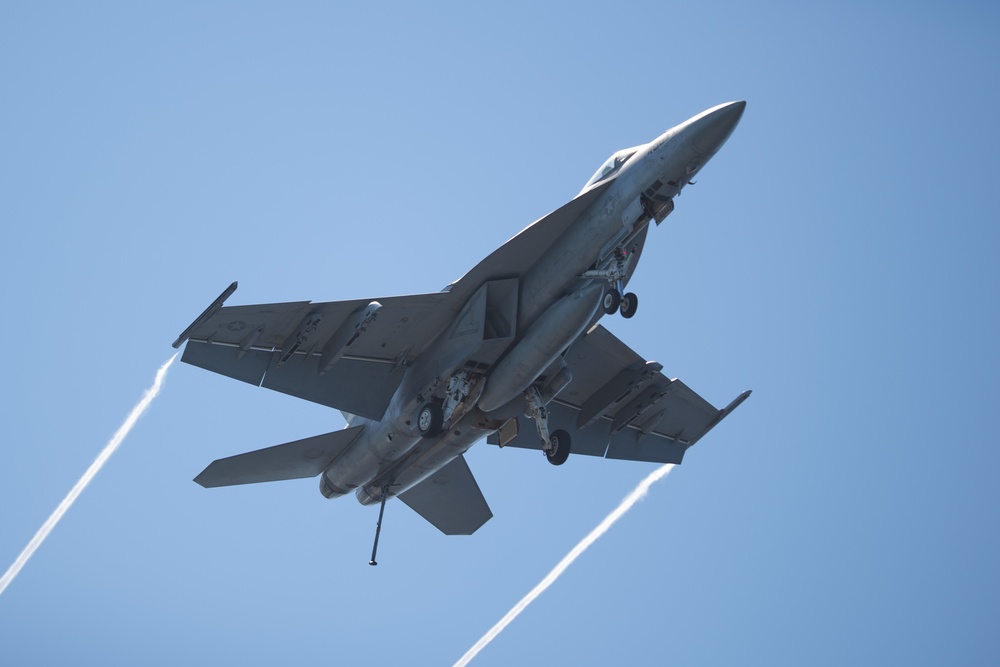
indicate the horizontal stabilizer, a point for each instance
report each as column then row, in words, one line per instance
column 450, row 499
column 293, row 460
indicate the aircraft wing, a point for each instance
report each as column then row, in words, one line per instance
column 450, row 499
column 286, row 346
column 621, row 406
column 348, row 355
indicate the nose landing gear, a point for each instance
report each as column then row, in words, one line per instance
column 612, row 300
column 616, row 299
column 629, row 304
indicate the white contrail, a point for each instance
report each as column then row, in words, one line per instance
column 98, row 463
column 602, row 528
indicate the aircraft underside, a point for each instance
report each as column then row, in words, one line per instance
column 516, row 340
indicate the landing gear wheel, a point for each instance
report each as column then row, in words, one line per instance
column 560, row 448
column 430, row 419
column 630, row 303
column 611, row 301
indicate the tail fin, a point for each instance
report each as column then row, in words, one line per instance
column 293, row 460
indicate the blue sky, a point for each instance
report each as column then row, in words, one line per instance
column 839, row 257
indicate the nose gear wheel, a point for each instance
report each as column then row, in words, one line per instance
column 629, row 304
column 615, row 274
column 612, row 300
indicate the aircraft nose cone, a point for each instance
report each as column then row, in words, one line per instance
column 710, row 129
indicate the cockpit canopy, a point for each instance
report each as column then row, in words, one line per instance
column 612, row 166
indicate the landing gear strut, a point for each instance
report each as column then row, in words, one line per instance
column 556, row 445
column 436, row 414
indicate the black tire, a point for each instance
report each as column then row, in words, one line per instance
column 430, row 419
column 612, row 299
column 560, row 448
column 630, row 304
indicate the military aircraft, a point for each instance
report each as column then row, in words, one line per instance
column 512, row 351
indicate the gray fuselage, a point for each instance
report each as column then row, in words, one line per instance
column 556, row 303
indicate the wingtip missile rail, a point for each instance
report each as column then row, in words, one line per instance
column 211, row 310
column 725, row 412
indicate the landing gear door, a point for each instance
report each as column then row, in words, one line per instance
column 507, row 433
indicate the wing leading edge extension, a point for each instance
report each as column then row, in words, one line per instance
column 621, row 406
column 525, row 249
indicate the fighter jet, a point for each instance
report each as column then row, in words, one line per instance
column 511, row 352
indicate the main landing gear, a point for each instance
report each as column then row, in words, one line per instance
column 430, row 419
column 556, row 445
column 433, row 416
column 559, row 445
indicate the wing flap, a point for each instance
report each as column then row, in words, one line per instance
column 293, row 460
column 249, row 367
column 634, row 445
column 450, row 499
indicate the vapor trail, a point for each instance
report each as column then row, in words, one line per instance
column 630, row 500
column 98, row 463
